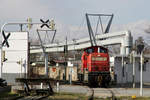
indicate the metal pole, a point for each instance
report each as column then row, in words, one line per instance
column 89, row 29
column 133, row 69
column 46, row 64
column 66, row 59
column 21, row 27
column 71, row 76
column 1, row 63
column 141, row 75
column 123, row 65
column 45, row 54
column 21, row 67
column 74, row 62
column 53, row 36
column 57, row 87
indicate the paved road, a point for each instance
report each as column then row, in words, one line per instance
column 73, row 89
column 103, row 92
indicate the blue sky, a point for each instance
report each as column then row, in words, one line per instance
column 70, row 13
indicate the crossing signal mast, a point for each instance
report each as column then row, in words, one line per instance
column 50, row 27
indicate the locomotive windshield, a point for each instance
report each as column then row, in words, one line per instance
column 98, row 50
column 90, row 50
column 102, row 50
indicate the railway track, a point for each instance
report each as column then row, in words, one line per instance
column 91, row 97
column 94, row 90
column 104, row 93
column 32, row 97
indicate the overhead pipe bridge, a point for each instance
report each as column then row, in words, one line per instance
column 124, row 38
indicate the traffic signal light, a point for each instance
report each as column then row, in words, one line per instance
column 52, row 25
column 3, row 56
column 29, row 20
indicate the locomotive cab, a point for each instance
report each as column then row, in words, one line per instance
column 95, row 65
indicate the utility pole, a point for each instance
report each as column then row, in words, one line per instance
column 65, row 52
column 141, row 75
column 133, row 68
column 74, row 41
column 123, row 66
column 140, row 48
column 21, row 27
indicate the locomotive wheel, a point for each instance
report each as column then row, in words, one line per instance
column 106, row 81
column 99, row 80
column 92, row 81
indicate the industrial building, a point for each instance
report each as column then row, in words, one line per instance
column 124, row 72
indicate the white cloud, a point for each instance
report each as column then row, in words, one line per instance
column 137, row 29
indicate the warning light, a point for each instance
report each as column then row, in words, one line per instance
column 52, row 25
column 29, row 26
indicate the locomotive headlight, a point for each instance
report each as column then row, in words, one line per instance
column 99, row 58
column 104, row 58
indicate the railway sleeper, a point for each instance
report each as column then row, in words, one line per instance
column 42, row 91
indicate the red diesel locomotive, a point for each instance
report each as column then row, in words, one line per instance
column 95, row 66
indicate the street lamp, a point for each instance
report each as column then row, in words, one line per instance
column 74, row 41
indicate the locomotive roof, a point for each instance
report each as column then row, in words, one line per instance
column 94, row 46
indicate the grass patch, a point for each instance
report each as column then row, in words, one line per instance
column 73, row 96
column 130, row 98
column 124, row 98
column 68, row 96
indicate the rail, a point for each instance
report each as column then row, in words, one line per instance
column 34, row 81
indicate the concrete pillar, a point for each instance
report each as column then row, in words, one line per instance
column 122, row 48
column 128, row 49
column 128, row 42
